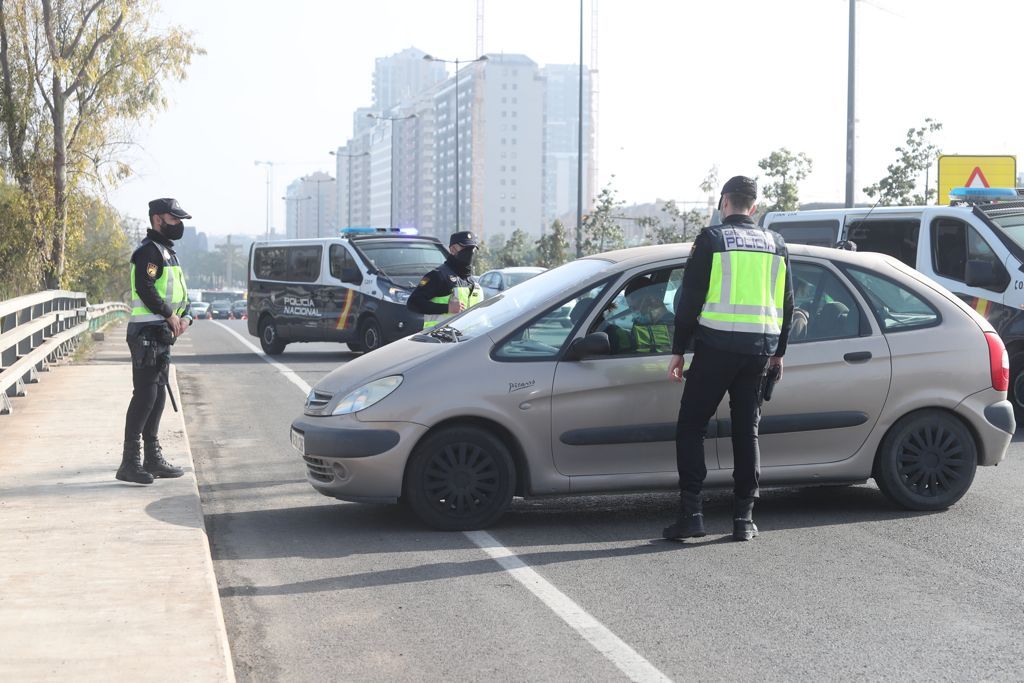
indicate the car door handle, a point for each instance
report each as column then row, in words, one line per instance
column 857, row 356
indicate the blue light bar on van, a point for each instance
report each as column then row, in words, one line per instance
column 354, row 231
column 409, row 231
column 982, row 194
column 377, row 231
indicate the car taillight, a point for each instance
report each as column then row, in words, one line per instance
column 999, row 362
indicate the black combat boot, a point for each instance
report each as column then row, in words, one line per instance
column 131, row 465
column 743, row 527
column 156, row 465
column 690, row 523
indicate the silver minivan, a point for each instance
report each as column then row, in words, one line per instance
column 544, row 390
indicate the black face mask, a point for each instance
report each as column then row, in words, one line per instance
column 172, row 231
column 465, row 256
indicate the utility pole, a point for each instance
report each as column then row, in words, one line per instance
column 850, row 109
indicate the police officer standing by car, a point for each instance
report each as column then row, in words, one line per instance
column 451, row 287
column 160, row 314
column 737, row 306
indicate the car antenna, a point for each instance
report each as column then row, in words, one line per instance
column 849, row 244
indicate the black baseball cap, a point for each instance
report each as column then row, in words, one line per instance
column 167, row 205
column 739, row 184
column 463, row 239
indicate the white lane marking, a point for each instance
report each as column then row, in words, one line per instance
column 290, row 374
column 628, row 660
column 594, row 632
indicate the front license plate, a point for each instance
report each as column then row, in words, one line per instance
column 299, row 441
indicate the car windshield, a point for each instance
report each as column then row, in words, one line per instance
column 403, row 256
column 1013, row 226
column 528, row 296
column 516, row 278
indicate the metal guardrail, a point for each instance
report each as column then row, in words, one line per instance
column 39, row 329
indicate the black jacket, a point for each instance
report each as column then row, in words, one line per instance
column 440, row 282
column 151, row 253
column 696, row 279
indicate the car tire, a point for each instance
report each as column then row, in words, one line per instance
column 370, row 336
column 270, row 340
column 927, row 461
column 459, row 479
column 1016, row 392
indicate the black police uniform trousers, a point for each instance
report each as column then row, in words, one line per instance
column 711, row 374
column 148, row 396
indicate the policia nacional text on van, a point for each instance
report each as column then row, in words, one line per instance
column 737, row 304
column 160, row 314
column 451, row 287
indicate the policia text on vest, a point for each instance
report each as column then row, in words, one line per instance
column 160, row 313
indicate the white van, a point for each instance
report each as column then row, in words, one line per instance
column 975, row 251
column 351, row 289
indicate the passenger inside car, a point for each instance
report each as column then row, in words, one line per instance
column 639, row 320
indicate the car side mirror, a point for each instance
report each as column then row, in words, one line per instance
column 982, row 273
column 594, row 344
column 352, row 276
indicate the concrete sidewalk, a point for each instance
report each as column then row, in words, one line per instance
column 100, row 580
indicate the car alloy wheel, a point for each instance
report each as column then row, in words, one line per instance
column 460, row 478
column 927, row 461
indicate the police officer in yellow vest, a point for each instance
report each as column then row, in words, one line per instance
column 451, row 287
column 160, row 314
column 737, row 307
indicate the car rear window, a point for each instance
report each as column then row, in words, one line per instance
column 895, row 306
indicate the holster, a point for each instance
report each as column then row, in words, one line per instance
column 153, row 347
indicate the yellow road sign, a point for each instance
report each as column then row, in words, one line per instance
column 957, row 170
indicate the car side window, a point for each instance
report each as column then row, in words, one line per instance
column 823, row 307
column 543, row 338
column 895, row 307
column 343, row 266
column 954, row 243
column 640, row 319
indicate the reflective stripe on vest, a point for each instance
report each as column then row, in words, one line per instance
column 745, row 292
column 468, row 300
column 171, row 282
column 652, row 338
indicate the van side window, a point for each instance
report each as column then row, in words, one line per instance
column 270, row 263
column 304, row 263
column 815, row 233
column 343, row 266
column 954, row 243
column 895, row 237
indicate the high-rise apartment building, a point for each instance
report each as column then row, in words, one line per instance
column 311, row 207
column 402, row 77
column 561, row 136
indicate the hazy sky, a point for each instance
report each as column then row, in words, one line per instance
column 683, row 84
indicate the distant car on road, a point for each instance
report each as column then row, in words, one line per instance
column 220, row 309
column 238, row 309
column 889, row 376
column 200, row 310
column 497, row 281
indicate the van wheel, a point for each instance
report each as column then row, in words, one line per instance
column 271, row 342
column 460, row 478
column 1016, row 392
column 926, row 461
column 370, row 337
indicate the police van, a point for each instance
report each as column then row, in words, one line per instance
column 350, row 289
column 974, row 248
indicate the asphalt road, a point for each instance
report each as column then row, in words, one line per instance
column 841, row 585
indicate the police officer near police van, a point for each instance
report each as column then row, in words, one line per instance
column 736, row 306
column 451, row 287
column 160, row 314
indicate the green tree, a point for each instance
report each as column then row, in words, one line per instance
column 74, row 77
column 516, row 251
column 20, row 258
column 786, row 170
column 98, row 255
column 553, row 248
column 912, row 159
column 657, row 231
column 600, row 229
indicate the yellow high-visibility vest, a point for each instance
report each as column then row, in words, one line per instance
column 745, row 293
column 170, row 284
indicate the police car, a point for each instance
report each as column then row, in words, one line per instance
column 350, row 289
column 974, row 248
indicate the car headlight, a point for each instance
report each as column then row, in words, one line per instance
column 396, row 295
column 367, row 395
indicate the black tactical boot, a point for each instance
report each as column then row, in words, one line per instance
column 743, row 527
column 690, row 523
column 156, row 465
column 131, row 465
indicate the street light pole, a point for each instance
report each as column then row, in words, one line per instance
column 392, row 120
column 297, row 200
column 318, row 181
column 348, row 197
column 458, row 178
column 850, row 110
column 270, row 182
